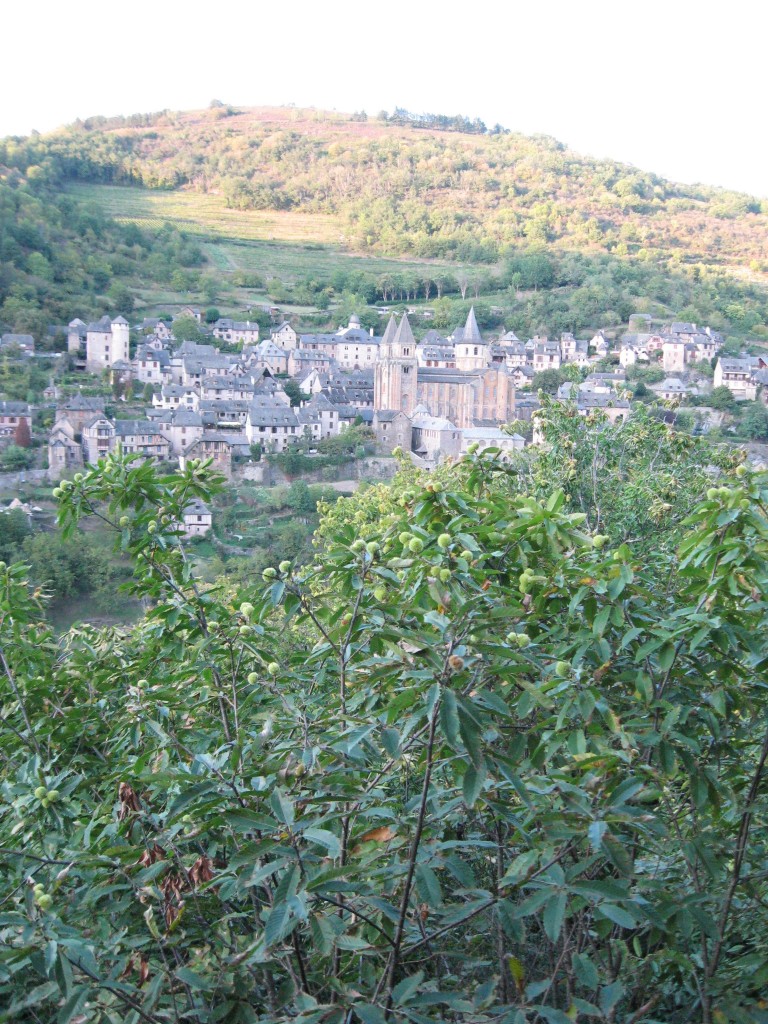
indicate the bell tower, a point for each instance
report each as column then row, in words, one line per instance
column 396, row 370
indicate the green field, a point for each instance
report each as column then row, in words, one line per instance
column 275, row 244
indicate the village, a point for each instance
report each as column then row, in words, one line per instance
column 237, row 396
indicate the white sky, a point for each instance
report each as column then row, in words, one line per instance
column 673, row 86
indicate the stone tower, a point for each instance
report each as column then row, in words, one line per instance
column 471, row 351
column 120, row 341
column 395, row 375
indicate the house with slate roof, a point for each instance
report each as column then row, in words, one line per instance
column 434, row 437
column 11, row 414
column 219, row 446
column 285, row 337
column 236, row 331
column 98, row 438
column 64, row 452
column 274, row 426
column 738, row 375
column 181, row 428
column 79, row 410
column 141, row 437
column 392, row 429
column 198, row 518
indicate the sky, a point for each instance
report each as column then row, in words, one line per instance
column 672, row 87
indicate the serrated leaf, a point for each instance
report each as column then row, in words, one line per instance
column 195, row 981
column 370, row 1014
column 616, row 914
column 73, row 1005
column 596, row 831
column 554, row 914
column 428, row 885
column 324, row 838
column 406, row 988
column 472, row 784
column 449, row 718
column 278, row 924
column 282, row 805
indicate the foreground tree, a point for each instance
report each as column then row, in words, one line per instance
column 476, row 764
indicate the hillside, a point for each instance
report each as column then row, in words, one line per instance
column 239, row 179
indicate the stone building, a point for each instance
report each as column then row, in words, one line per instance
column 476, row 392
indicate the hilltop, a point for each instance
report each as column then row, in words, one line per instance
column 257, row 189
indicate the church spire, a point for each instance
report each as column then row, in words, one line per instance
column 471, row 330
column 404, row 336
column 390, row 332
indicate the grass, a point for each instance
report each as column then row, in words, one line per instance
column 207, row 214
column 272, row 243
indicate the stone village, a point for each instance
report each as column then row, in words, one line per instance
column 433, row 397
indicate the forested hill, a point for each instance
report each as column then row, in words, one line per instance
column 402, row 190
column 153, row 211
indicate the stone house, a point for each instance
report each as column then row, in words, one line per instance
column 236, row 331
column 141, row 437
column 98, row 436
column 64, row 452
column 285, row 337
column 392, row 429
column 434, row 436
column 738, row 376
column 11, row 414
column 198, row 519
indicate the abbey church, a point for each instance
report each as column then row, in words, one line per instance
column 475, row 391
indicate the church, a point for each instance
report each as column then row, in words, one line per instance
column 477, row 392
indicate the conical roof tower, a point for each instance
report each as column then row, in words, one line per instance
column 388, row 337
column 471, row 330
column 404, row 343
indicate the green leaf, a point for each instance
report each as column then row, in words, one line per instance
column 596, row 831
column 369, row 1014
column 551, row 1015
column 406, row 988
column 585, row 970
column 609, row 996
column 195, row 981
column 554, row 914
column 323, row 837
column 278, row 924
column 472, row 784
column 449, row 718
column 616, row 914
column 390, row 739
column 282, row 805
column 429, row 886
column 601, row 621
column 470, row 734
column 73, row 1005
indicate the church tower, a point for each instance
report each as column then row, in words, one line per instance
column 395, row 375
column 471, row 352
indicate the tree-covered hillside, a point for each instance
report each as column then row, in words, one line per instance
column 404, row 190
column 559, row 240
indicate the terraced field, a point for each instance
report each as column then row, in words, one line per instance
column 273, row 243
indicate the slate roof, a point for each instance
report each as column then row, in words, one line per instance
column 471, row 334
column 388, row 415
column 404, row 335
column 124, row 428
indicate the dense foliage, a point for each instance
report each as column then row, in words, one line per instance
column 477, row 763
column 60, row 258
